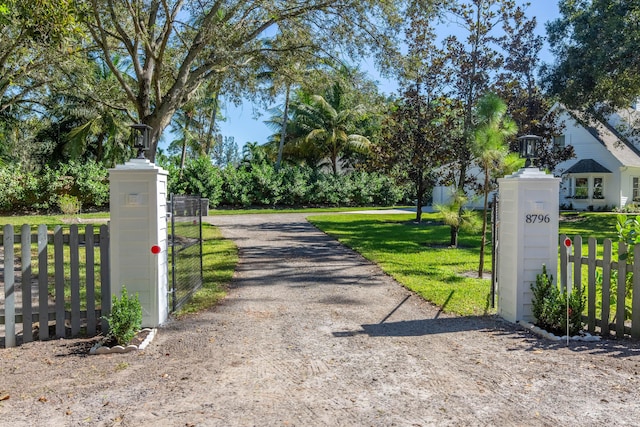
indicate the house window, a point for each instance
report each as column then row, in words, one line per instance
column 636, row 189
column 558, row 142
column 598, row 188
column 581, row 189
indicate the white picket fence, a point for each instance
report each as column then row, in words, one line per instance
column 609, row 309
column 33, row 302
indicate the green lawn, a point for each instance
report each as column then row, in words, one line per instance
column 416, row 255
column 598, row 225
column 50, row 220
column 296, row 210
column 220, row 257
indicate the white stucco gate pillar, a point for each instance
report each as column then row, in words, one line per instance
column 527, row 238
column 138, row 233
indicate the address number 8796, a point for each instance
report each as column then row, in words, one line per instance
column 537, row 218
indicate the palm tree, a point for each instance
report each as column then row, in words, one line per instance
column 285, row 74
column 101, row 123
column 490, row 148
column 185, row 127
column 326, row 123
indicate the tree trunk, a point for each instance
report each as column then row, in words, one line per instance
column 183, row 155
column 212, row 126
column 283, row 133
column 419, row 198
column 460, row 187
column 453, row 242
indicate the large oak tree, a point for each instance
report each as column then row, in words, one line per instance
column 175, row 45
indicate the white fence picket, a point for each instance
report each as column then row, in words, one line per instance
column 25, row 281
column 9, row 288
column 43, row 284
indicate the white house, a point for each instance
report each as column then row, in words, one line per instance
column 605, row 172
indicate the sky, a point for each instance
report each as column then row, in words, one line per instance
column 242, row 124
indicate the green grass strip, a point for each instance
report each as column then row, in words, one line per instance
column 417, row 256
column 220, row 257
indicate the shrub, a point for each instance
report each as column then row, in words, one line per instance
column 266, row 184
column 87, row 181
column 202, row 178
column 550, row 306
column 628, row 208
column 331, row 190
column 69, row 205
column 125, row 318
column 12, row 188
column 296, row 185
column 236, row 186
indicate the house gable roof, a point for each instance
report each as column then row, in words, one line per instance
column 616, row 143
column 587, row 166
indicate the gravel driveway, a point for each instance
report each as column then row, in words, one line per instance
column 311, row 334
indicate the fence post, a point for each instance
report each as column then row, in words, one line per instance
column 591, row 290
column 9, row 288
column 607, row 251
column 90, row 279
column 635, row 302
column 74, row 263
column 564, row 261
column 621, row 289
column 577, row 264
column 27, row 312
column 58, row 254
column 138, row 250
column 528, row 236
column 105, row 278
column 43, row 284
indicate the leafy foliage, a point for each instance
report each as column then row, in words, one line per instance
column 125, row 318
column 22, row 190
column 490, row 149
column 328, row 125
column 69, row 205
column 596, row 44
column 549, row 306
column 85, row 180
column 201, row 177
column 415, row 141
column 262, row 185
column 628, row 228
column 215, row 40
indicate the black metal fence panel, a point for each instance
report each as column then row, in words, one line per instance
column 495, row 223
column 185, row 246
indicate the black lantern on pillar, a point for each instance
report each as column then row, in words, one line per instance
column 141, row 139
column 528, row 148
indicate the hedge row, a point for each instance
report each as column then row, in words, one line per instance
column 247, row 185
column 262, row 185
column 24, row 191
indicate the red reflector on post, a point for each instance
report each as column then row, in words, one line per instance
column 155, row 249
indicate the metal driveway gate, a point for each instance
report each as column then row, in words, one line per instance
column 185, row 244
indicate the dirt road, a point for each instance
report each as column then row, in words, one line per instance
column 311, row 334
